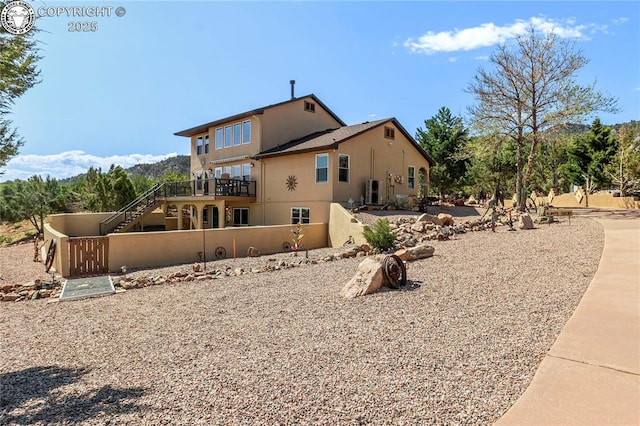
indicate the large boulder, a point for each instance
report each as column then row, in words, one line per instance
column 525, row 221
column 414, row 253
column 368, row 279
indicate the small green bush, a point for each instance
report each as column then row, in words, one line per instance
column 380, row 237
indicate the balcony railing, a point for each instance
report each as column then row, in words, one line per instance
column 214, row 186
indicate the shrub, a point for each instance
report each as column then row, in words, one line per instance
column 380, row 237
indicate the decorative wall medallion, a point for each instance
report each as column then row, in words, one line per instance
column 292, row 183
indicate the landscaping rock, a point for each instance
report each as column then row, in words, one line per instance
column 253, row 252
column 525, row 221
column 414, row 253
column 369, row 278
column 425, row 217
column 445, row 219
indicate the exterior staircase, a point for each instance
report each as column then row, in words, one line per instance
column 133, row 211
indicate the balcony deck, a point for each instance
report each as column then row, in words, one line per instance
column 215, row 189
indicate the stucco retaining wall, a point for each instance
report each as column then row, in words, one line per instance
column 598, row 200
column 342, row 227
column 152, row 249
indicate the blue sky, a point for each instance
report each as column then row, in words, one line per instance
column 118, row 94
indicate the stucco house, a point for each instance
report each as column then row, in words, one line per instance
column 254, row 174
column 285, row 163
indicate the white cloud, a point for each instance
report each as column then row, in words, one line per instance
column 453, row 59
column 70, row 163
column 489, row 34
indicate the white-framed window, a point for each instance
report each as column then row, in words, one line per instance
column 228, row 130
column 218, row 172
column 343, row 168
column 309, row 106
column 219, row 138
column 199, row 145
column 206, row 144
column 237, row 137
column 240, row 216
column 322, row 168
column 246, row 132
column 300, row 215
column 236, row 171
column 227, row 170
column 246, row 171
column 411, row 177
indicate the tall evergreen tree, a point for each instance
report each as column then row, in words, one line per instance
column 589, row 155
column 443, row 139
column 18, row 73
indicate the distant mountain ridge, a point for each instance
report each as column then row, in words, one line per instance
column 179, row 164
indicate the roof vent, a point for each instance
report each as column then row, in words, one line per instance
column 292, row 83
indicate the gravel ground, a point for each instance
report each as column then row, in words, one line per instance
column 284, row 348
column 17, row 265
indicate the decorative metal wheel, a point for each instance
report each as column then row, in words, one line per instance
column 51, row 254
column 286, row 246
column 394, row 271
column 221, row 253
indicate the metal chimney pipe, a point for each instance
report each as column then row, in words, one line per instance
column 292, row 83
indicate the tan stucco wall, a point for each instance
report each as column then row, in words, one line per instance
column 290, row 121
column 372, row 156
column 343, row 226
column 152, row 249
column 602, row 201
column 78, row 224
column 278, row 200
column 61, row 259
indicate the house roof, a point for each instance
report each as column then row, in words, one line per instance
column 205, row 127
column 331, row 138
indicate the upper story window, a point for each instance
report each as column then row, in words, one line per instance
column 309, row 106
column 343, row 168
column 389, row 133
column 219, row 138
column 322, row 168
column 199, row 145
column 227, row 136
column 236, row 134
column 233, row 135
column 246, row 132
column 206, row 144
column 411, row 177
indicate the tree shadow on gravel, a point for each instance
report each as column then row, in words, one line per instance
column 34, row 395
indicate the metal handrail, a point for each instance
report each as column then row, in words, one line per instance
column 123, row 214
